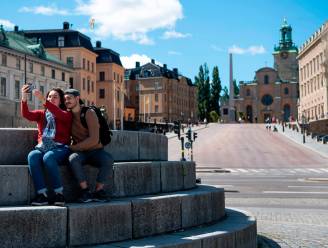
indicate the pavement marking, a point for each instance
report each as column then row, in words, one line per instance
column 222, row 186
column 294, row 192
column 309, row 186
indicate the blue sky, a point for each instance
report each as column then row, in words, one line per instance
column 182, row 34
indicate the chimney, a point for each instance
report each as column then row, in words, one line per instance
column 65, row 25
column 16, row 28
column 137, row 64
column 98, row 43
column 153, row 61
column 175, row 70
column 165, row 66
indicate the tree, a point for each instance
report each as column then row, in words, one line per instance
column 225, row 96
column 235, row 88
column 203, row 85
column 215, row 90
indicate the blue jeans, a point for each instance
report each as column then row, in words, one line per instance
column 50, row 160
column 98, row 158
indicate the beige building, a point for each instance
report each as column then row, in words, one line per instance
column 24, row 61
column 74, row 49
column 161, row 95
column 110, row 87
column 313, row 75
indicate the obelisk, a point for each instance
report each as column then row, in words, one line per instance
column 232, row 113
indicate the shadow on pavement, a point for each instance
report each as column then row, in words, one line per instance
column 264, row 242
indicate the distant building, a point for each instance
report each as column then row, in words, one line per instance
column 74, row 49
column 274, row 91
column 313, row 64
column 109, row 86
column 161, row 95
column 21, row 58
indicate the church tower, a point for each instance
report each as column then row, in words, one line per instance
column 285, row 55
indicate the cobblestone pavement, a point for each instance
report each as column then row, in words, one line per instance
column 294, row 228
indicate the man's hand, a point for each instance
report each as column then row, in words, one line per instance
column 38, row 94
column 73, row 148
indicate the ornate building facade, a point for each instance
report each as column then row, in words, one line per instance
column 274, row 91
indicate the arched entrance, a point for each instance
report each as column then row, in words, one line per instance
column 249, row 113
column 286, row 112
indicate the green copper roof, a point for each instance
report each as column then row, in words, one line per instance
column 21, row 44
column 286, row 42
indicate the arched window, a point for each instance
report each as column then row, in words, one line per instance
column 286, row 91
column 248, row 92
column 286, row 112
column 266, row 79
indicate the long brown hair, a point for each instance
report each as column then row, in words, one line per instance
column 61, row 97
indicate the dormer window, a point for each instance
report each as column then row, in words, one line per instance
column 61, row 41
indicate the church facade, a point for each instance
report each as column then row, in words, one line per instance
column 273, row 93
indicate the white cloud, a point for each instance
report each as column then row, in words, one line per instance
column 171, row 34
column 7, row 24
column 45, row 10
column 130, row 61
column 174, row 53
column 216, row 48
column 253, row 50
column 131, row 19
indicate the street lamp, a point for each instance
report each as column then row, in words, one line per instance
column 282, row 120
column 303, row 127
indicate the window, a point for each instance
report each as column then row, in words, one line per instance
column 70, row 61
column 88, row 65
column 42, row 70
column 248, row 92
column 18, row 63
column 4, row 60
column 61, row 41
column 157, row 86
column 156, row 97
column 267, row 100
column 83, row 63
column 83, row 83
column 114, row 76
column 225, row 111
column 92, row 87
column 118, row 95
column 156, row 108
column 286, row 91
column 137, row 87
column 71, row 80
column 42, row 89
column 92, row 67
column 88, row 85
column 3, row 87
column 266, row 79
column 53, row 74
column 17, row 89
column 63, row 76
column 102, row 93
column 102, row 76
column 31, row 67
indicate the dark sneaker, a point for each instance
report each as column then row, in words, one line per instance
column 85, row 196
column 40, row 200
column 59, row 200
column 100, row 196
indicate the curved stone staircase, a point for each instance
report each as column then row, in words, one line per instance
column 155, row 202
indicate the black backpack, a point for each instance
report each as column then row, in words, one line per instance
column 104, row 131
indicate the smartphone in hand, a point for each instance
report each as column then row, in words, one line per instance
column 31, row 87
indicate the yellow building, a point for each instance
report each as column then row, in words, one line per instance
column 24, row 61
column 74, row 49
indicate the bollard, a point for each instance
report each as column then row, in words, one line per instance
column 182, row 149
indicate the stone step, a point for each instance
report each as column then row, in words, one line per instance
column 16, row 143
column 237, row 230
column 118, row 220
column 127, row 179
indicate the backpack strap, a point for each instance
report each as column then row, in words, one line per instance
column 82, row 116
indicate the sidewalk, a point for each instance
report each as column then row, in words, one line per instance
column 310, row 143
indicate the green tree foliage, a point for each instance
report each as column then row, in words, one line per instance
column 225, row 96
column 203, row 84
column 215, row 90
column 235, row 88
column 214, row 116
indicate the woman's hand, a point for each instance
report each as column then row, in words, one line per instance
column 25, row 90
column 38, row 94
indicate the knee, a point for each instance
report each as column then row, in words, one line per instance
column 48, row 158
column 33, row 156
column 74, row 158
